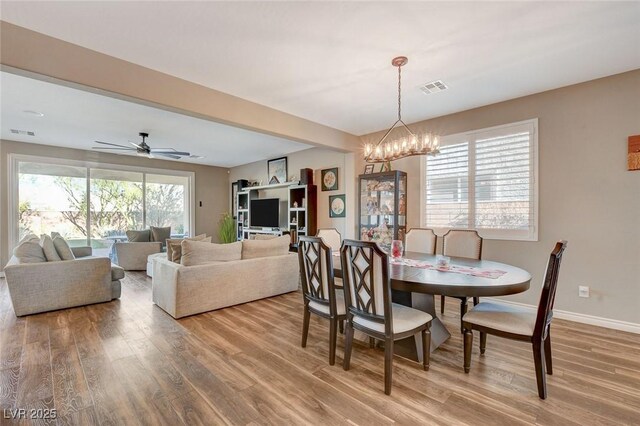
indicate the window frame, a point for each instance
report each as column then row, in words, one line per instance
column 14, row 187
column 471, row 137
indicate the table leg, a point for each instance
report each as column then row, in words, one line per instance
column 412, row 347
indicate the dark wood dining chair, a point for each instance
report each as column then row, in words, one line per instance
column 321, row 297
column 461, row 243
column 369, row 308
column 513, row 322
column 421, row 240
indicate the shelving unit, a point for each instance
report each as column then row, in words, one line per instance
column 382, row 207
column 301, row 220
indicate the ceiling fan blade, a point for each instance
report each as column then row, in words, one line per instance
column 112, row 144
column 136, row 145
column 175, row 157
column 121, row 149
column 168, row 151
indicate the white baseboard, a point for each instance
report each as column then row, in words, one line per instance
column 581, row 318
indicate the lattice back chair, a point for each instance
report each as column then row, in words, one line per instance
column 331, row 237
column 318, row 288
column 461, row 243
column 365, row 273
column 517, row 323
column 421, row 240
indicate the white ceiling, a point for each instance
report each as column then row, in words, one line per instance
column 75, row 119
column 329, row 62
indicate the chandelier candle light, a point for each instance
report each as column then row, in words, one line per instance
column 404, row 146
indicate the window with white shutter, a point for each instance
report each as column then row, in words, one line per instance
column 485, row 180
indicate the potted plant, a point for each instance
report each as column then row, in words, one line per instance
column 227, row 229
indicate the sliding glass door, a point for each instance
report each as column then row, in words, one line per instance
column 96, row 205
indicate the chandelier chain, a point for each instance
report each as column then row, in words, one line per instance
column 399, row 92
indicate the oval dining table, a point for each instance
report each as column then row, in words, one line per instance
column 417, row 287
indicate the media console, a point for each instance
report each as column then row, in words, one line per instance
column 301, row 210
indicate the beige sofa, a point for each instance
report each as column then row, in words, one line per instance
column 132, row 256
column 48, row 286
column 187, row 290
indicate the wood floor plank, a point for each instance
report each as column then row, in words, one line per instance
column 128, row 362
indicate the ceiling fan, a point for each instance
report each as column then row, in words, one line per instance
column 145, row 150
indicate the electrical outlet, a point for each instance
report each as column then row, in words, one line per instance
column 583, row 291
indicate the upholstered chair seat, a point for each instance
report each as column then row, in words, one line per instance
column 324, row 308
column 510, row 319
column 404, row 319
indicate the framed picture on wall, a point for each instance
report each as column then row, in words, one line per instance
column 329, row 178
column 368, row 169
column 277, row 170
column 337, row 206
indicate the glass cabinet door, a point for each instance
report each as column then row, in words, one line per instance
column 383, row 207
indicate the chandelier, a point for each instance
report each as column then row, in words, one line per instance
column 406, row 144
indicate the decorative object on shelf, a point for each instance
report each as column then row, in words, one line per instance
column 277, row 168
column 337, row 206
column 306, row 176
column 385, row 167
column 234, row 199
column 295, row 204
column 634, row 153
column 368, row 169
column 405, row 144
column 329, row 179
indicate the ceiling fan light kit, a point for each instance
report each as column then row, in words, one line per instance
column 144, row 150
column 406, row 145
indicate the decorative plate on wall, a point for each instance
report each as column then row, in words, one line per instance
column 329, row 179
column 337, row 206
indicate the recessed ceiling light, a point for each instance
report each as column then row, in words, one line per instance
column 433, row 87
column 34, row 113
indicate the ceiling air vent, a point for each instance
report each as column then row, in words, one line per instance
column 433, row 87
column 22, row 132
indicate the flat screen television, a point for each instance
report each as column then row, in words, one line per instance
column 265, row 212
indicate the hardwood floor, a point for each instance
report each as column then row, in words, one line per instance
column 128, row 362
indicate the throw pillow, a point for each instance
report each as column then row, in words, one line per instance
column 160, row 234
column 171, row 241
column 55, row 234
column 143, row 236
column 28, row 237
column 29, row 251
column 175, row 247
column 200, row 253
column 252, row 249
column 63, row 249
column 46, row 242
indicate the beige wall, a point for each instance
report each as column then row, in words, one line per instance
column 211, row 183
column 316, row 159
column 586, row 194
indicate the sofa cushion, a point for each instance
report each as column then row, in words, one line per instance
column 63, row 249
column 160, row 234
column 50, row 253
column 171, row 242
column 252, row 249
column 117, row 273
column 200, row 253
column 176, row 247
column 29, row 251
column 143, row 236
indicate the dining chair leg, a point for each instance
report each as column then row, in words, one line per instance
column 468, row 343
column 388, row 365
column 341, row 324
column 305, row 326
column 463, row 310
column 476, row 300
column 333, row 335
column 483, row 342
column 426, row 348
column 538, row 360
column 372, row 342
column 442, row 305
column 547, row 352
column 348, row 344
